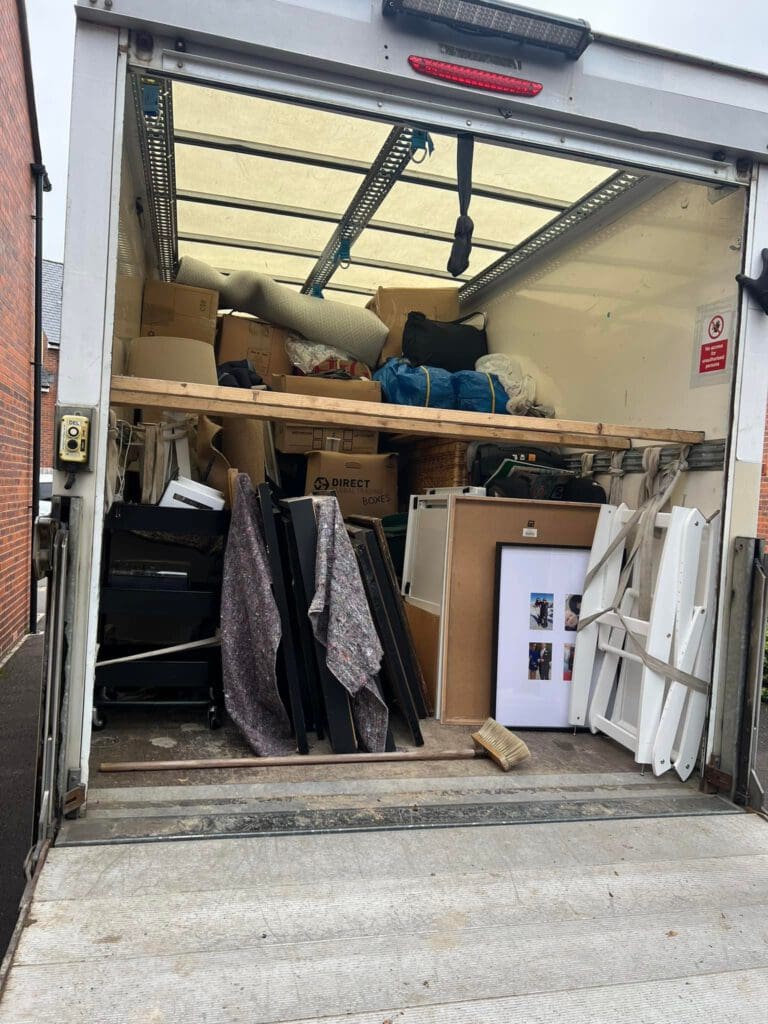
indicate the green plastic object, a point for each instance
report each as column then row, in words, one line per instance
column 395, row 529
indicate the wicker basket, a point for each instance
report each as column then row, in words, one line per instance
column 437, row 464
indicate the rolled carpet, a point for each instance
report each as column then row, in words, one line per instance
column 358, row 331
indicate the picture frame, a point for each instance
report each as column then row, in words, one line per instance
column 537, row 601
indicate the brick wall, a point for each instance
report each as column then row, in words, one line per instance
column 47, row 418
column 17, row 249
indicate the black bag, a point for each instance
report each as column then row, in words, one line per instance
column 452, row 346
column 485, row 457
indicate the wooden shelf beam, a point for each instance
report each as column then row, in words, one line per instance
column 399, row 419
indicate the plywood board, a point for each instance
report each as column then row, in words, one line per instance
column 425, row 630
column 475, row 526
column 447, row 423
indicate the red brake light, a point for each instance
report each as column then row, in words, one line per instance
column 474, row 78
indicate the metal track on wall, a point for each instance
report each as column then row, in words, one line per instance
column 707, row 455
column 153, row 104
column 385, row 171
column 606, row 201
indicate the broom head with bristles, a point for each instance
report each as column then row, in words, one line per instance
column 503, row 746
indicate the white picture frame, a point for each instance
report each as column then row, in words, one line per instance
column 536, row 608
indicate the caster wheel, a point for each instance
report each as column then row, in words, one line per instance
column 98, row 722
column 214, row 719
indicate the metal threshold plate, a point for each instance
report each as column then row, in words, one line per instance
column 270, row 811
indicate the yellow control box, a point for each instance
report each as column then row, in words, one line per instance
column 73, row 439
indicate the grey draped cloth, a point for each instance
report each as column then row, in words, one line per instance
column 341, row 620
column 251, row 631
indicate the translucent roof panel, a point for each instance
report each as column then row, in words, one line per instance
column 348, row 298
column 548, row 177
column 229, row 222
column 311, row 163
column 426, row 253
column 198, row 219
column 226, row 258
column 430, row 208
column 199, row 169
column 272, row 123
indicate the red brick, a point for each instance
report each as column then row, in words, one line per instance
column 17, row 263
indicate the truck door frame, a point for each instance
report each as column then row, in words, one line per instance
column 103, row 56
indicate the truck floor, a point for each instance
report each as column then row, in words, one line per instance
column 179, row 735
column 660, row 921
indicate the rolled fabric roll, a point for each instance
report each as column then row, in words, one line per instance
column 357, row 331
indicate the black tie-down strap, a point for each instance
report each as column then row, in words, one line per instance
column 462, row 237
column 757, row 287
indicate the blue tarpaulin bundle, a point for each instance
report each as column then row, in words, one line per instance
column 431, row 387
column 425, row 386
column 479, row 392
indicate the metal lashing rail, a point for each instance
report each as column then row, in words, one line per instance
column 605, row 201
column 393, row 157
column 153, row 102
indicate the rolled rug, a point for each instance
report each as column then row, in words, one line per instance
column 357, row 331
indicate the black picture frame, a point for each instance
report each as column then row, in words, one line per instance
column 288, row 667
column 302, row 536
column 398, row 688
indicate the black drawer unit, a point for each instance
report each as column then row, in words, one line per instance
column 161, row 587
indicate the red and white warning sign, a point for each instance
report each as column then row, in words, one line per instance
column 713, row 347
column 713, row 356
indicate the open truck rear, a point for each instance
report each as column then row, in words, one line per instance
column 617, row 193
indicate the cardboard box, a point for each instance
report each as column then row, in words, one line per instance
column 263, row 344
column 392, row 305
column 178, row 311
column 297, row 439
column 184, row 359
column 364, row 484
column 242, row 444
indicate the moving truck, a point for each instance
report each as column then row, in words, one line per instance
column 617, row 191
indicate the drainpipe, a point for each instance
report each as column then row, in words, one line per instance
column 42, row 184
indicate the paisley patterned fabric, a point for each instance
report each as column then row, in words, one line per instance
column 251, row 631
column 341, row 620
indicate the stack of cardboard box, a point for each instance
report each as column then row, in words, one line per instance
column 364, row 481
column 178, row 311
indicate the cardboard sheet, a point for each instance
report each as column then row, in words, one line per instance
column 181, row 359
column 425, row 630
column 242, row 443
column 475, row 526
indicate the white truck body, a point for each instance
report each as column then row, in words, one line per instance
column 619, row 105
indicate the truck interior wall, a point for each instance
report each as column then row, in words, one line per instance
column 607, row 327
column 135, row 252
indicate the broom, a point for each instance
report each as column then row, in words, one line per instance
column 499, row 743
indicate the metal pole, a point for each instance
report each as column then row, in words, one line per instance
column 41, row 184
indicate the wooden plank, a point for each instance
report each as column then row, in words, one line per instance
column 425, row 630
column 446, row 423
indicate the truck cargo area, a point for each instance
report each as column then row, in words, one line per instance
column 608, row 322
column 332, row 489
